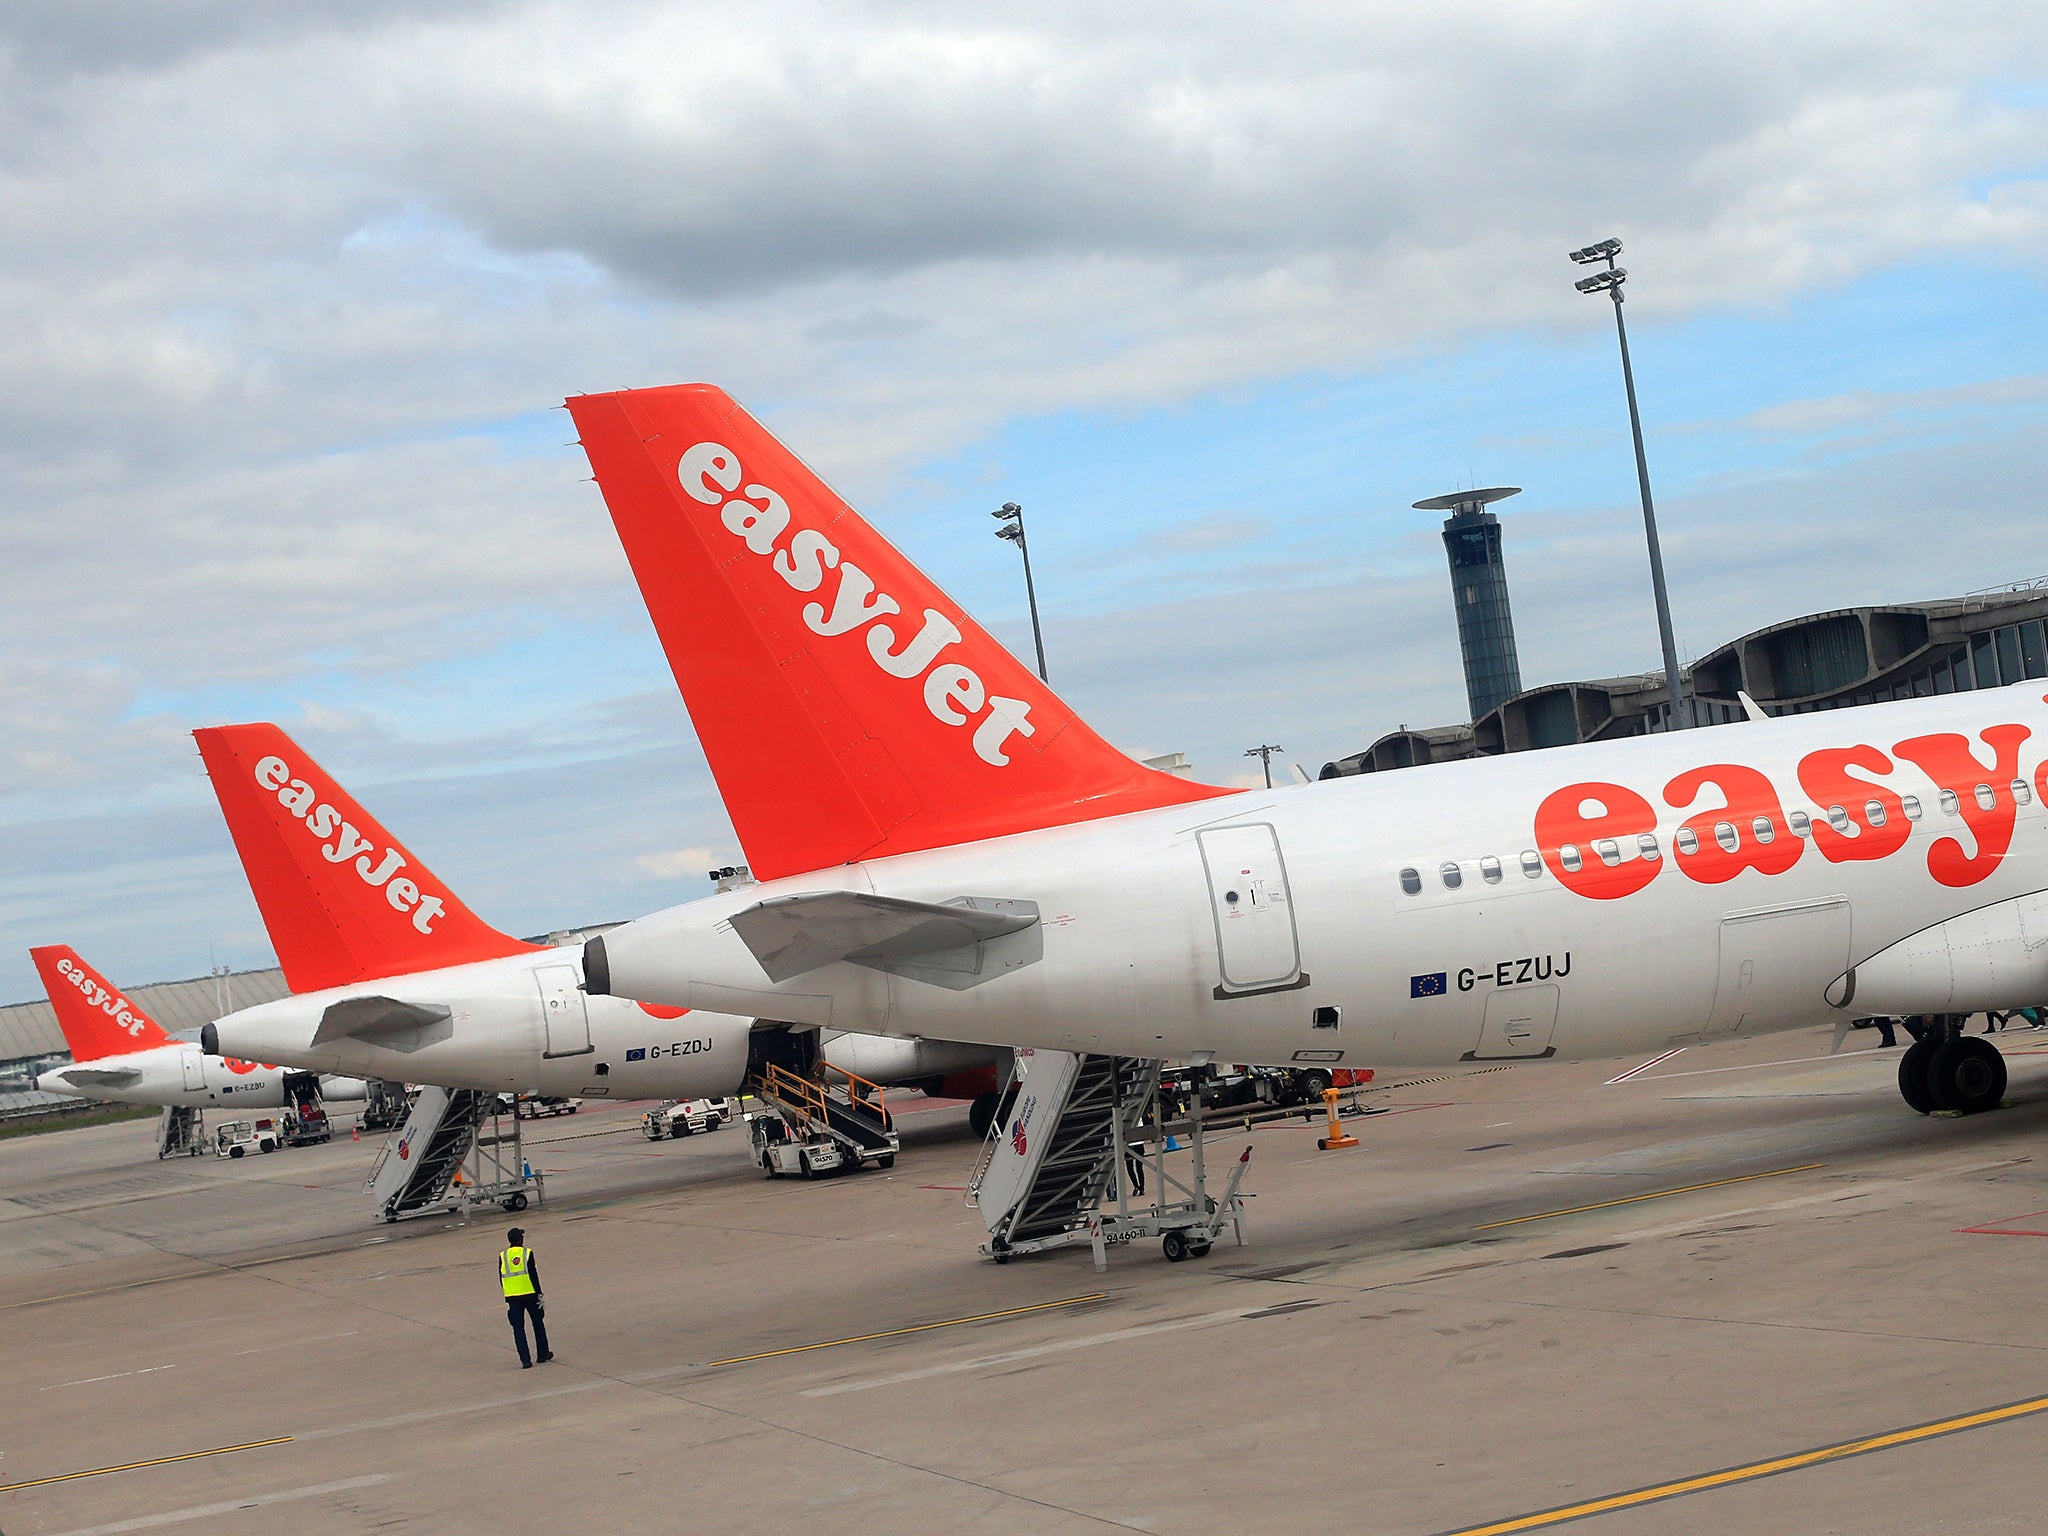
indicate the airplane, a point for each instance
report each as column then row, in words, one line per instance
column 946, row 850
column 119, row 1053
column 392, row 976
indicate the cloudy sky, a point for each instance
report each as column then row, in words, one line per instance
column 290, row 297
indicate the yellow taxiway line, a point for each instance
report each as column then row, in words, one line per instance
column 1755, row 1469
column 897, row 1333
column 1661, row 1194
column 132, row 1466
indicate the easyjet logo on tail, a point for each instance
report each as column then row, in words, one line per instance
column 954, row 693
column 112, row 1004
column 378, row 868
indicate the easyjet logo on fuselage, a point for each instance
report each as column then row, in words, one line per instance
column 112, row 1004
column 1601, row 839
column 954, row 694
column 377, row 868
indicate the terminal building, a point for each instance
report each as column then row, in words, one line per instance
column 1832, row 660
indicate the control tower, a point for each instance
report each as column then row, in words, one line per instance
column 1479, row 588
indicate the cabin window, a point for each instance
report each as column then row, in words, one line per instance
column 1646, row 845
column 1532, row 863
column 1724, row 834
column 1568, row 856
column 1951, row 803
column 1873, row 811
column 1802, row 824
column 1411, row 882
column 1764, row 828
column 1452, row 878
column 1608, row 849
column 1687, row 841
column 1910, row 804
column 1489, row 870
column 1838, row 819
column 2021, row 794
column 1987, row 797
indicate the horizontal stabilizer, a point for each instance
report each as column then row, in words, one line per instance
column 101, row 1077
column 790, row 935
column 374, row 1018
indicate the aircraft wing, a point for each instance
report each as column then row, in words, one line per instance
column 790, row 935
column 373, row 1019
column 101, row 1077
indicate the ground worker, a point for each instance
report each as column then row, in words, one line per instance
column 520, row 1277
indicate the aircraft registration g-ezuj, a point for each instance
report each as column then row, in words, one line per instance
column 393, row 977
column 120, row 1053
column 946, row 850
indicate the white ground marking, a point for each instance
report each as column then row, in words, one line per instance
column 117, row 1376
column 208, row 1511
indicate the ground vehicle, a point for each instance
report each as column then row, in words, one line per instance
column 535, row 1106
column 685, row 1117
column 305, row 1125
column 779, row 1149
column 239, row 1136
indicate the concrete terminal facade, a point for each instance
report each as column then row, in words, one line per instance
column 1833, row 660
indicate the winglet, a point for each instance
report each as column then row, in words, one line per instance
column 849, row 708
column 96, row 1019
column 342, row 899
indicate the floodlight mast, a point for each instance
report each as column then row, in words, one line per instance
column 1609, row 282
column 1012, row 531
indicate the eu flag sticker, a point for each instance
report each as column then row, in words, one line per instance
column 639, row 1052
column 1433, row 985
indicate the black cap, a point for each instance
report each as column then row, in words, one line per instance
column 516, row 1236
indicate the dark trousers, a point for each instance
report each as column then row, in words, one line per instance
column 517, row 1310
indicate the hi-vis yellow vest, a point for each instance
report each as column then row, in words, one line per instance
column 512, row 1271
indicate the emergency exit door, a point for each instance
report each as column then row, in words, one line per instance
column 1257, row 947
column 561, row 1002
column 1777, row 964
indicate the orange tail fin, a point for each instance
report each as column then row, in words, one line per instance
column 849, row 708
column 342, row 898
column 96, row 1019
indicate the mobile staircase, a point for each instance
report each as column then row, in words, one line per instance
column 455, row 1152
column 840, row 1106
column 1069, row 1163
column 180, row 1131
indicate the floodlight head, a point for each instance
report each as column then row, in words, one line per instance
column 1601, row 281
column 1606, row 250
column 1008, row 509
column 1011, row 532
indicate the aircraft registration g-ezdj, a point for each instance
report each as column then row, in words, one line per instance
column 393, row 977
column 950, row 852
column 120, row 1053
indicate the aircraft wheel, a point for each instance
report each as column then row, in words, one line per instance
column 981, row 1115
column 1967, row 1075
column 1916, row 1083
column 1175, row 1246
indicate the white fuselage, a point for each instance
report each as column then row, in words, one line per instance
column 181, row 1075
column 1277, row 926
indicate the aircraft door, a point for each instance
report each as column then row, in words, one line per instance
column 1777, row 964
column 195, row 1070
column 561, row 1002
column 1257, row 947
column 1519, row 1023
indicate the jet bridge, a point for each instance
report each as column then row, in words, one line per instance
column 1083, row 1139
column 459, row 1149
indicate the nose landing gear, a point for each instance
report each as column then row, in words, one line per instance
column 1946, row 1069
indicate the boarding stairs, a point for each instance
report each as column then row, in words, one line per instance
column 459, row 1148
column 1069, row 1164
column 840, row 1105
column 180, row 1131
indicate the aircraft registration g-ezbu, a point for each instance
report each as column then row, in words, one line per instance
column 120, row 1053
column 947, row 850
column 393, row 977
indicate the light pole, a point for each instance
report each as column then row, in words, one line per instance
column 1609, row 282
column 1013, row 530
column 1265, row 757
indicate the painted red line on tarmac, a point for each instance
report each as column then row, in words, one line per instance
column 2006, row 1228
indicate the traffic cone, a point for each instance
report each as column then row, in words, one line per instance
column 357, row 1133
column 1336, row 1137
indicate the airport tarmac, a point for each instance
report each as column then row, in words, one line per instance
column 1531, row 1296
